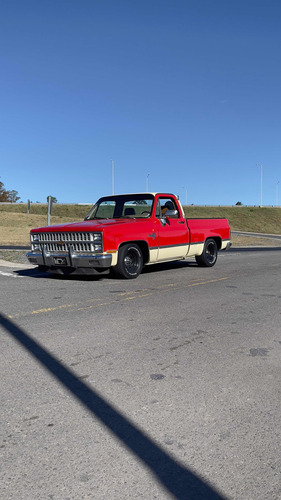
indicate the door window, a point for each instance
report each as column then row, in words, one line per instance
column 165, row 204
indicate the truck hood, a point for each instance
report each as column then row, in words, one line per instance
column 87, row 225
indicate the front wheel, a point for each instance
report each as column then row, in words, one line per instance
column 209, row 255
column 130, row 261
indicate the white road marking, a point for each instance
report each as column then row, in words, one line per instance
column 10, row 274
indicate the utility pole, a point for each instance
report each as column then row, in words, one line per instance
column 112, row 168
column 50, row 204
column 260, row 165
column 147, row 183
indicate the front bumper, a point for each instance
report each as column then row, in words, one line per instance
column 64, row 260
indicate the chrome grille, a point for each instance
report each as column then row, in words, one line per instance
column 61, row 241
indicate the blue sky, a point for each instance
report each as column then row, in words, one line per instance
column 187, row 91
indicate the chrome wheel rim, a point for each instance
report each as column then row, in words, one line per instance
column 211, row 252
column 131, row 261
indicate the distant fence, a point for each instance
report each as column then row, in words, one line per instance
column 90, row 203
column 42, row 204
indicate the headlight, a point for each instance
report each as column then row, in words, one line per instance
column 97, row 236
column 34, row 237
column 98, row 248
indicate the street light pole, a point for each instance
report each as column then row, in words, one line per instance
column 260, row 165
column 112, row 167
column 147, row 183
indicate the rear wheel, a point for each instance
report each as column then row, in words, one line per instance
column 209, row 255
column 130, row 261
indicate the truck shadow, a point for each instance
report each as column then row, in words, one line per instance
column 169, row 266
column 154, row 268
column 35, row 273
column 179, row 481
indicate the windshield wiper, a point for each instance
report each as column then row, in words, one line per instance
column 96, row 218
column 124, row 217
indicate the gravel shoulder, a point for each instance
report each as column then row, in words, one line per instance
column 16, row 257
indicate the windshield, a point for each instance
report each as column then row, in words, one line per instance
column 123, row 206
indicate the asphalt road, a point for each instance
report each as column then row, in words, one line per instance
column 167, row 386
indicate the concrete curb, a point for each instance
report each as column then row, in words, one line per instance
column 6, row 263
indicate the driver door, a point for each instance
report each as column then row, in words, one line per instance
column 173, row 234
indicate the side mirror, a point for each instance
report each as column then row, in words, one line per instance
column 171, row 213
column 164, row 220
column 165, row 217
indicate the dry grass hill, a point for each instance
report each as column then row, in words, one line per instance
column 15, row 223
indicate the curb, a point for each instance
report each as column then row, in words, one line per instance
column 6, row 263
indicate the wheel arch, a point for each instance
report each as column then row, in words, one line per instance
column 142, row 244
column 217, row 239
column 209, row 255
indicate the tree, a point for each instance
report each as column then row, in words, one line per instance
column 3, row 192
column 8, row 196
column 54, row 200
column 13, row 195
column 238, row 203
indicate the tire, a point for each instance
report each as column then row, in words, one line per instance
column 130, row 261
column 209, row 255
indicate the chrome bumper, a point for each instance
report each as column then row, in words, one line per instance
column 226, row 244
column 69, row 260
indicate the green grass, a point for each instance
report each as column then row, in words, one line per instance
column 253, row 219
column 76, row 211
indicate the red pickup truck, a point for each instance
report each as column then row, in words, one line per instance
column 124, row 233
